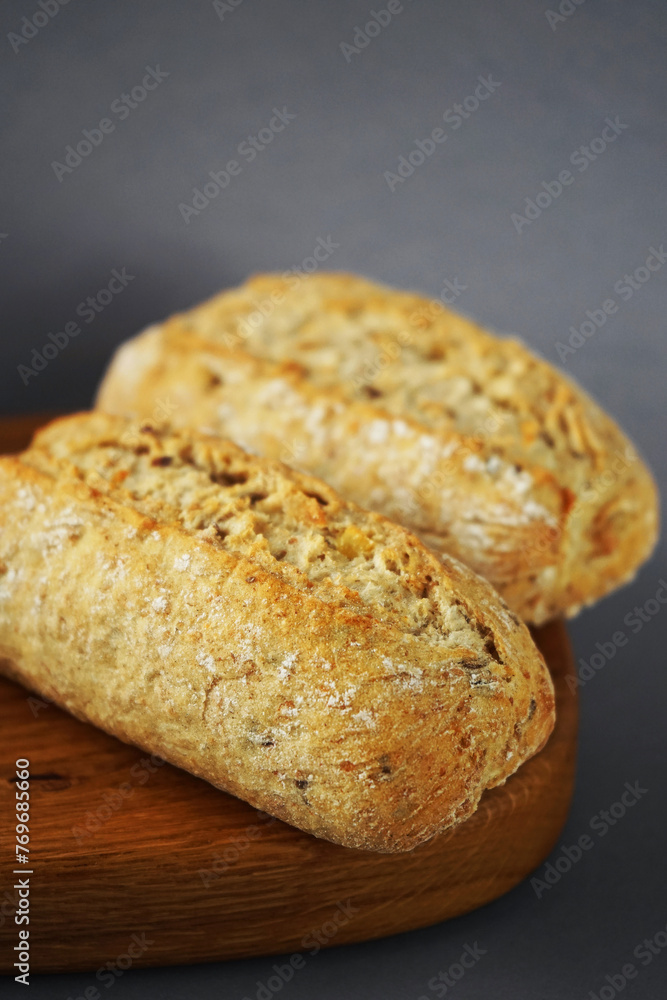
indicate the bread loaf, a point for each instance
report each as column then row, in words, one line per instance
column 241, row 620
column 472, row 442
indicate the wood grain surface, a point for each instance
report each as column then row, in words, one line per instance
column 134, row 860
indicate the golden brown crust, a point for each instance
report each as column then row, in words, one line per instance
column 348, row 682
column 475, row 444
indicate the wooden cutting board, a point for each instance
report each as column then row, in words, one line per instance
column 133, row 860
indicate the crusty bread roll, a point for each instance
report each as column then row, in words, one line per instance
column 245, row 623
column 485, row 451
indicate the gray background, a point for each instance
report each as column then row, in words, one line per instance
column 323, row 176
